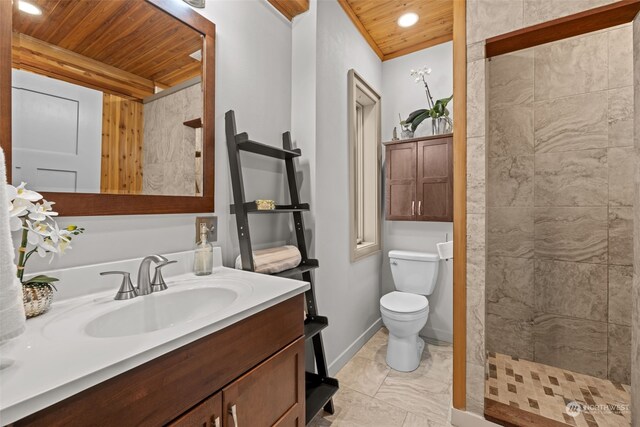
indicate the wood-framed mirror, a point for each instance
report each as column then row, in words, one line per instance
column 107, row 106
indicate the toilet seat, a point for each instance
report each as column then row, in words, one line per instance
column 404, row 306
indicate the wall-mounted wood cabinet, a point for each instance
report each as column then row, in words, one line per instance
column 419, row 179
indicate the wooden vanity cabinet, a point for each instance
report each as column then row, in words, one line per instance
column 419, row 179
column 256, row 364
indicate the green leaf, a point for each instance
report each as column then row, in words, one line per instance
column 419, row 119
column 40, row 280
column 413, row 115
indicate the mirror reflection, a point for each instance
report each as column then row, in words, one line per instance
column 107, row 98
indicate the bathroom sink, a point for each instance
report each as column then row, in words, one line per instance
column 159, row 311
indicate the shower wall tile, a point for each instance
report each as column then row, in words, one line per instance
column 511, row 79
column 476, row 232
column 575, row 344
column 635, row 340
column 577, row 65
column 509, row 336
column 510, row 131
column 620, row 57
column 619, row 351
column 476, row 98
column 488, row 18
column 475, row 388
column 621, row 168
column 510, row 288
column 621, row 117
column 571, row 289
column 476, row 175
column 510, row 232
column 476, row 51
column 510, row 181
column 620, row 286
column 574, row 123
column 571, row 234
column 621, row 236
column 537, row 11
column 572, row 178
column 475, row 324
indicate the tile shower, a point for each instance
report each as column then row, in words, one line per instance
column 560, row 209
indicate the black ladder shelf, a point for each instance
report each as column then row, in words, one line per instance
column 320, row 388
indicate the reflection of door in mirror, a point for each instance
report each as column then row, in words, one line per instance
column 107, row 98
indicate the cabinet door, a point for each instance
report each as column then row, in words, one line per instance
column 400, row 176
column 435, row 180
column 272, row 394
column 206, row 414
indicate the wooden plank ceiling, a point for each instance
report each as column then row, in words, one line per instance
column 131, row 35
column 290, row 8
column 377, row 22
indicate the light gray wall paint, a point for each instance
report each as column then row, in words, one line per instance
column 253, row 77
column 403, row 95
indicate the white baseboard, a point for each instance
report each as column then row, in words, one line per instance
column 346, row 355
column 467, row 419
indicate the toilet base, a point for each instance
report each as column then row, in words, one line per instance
column 404, row 354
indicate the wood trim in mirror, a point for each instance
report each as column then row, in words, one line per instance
column 88, row 204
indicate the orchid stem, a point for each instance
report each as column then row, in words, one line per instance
column 23, row 248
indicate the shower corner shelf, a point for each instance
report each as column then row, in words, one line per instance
column 320, row 387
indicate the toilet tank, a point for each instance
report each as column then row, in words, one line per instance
column 414, row 272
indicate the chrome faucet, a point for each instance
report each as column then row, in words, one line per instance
column 144, row 276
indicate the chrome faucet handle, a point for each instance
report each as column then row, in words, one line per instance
column 127, row 290
column 158, row 283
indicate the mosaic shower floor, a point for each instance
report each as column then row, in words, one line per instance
column 549, row 392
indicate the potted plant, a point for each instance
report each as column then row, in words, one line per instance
column 437, row 111
column 29, row 212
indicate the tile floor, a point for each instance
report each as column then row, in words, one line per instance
column 373, row 395
column 546, row 390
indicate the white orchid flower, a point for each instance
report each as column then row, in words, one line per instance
column 42, row 211
column 47, row 246
column 20, row 192
column 37, row 232
column 58, row 236
column 15, row 212
column 427, row 71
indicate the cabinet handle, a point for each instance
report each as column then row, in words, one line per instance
column 234, row 415
column 420, row 207
column 216, row 422
column 413, row 207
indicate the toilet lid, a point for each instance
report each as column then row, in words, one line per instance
column 404, row 302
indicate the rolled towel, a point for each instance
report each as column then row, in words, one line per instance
column 274, row 260
column 12, row 317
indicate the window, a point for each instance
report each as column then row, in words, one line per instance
column 364, row 167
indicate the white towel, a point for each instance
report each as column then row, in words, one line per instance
column 12, row 317
column 274, row 260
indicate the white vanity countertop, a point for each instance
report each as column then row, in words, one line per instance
column 47, row 365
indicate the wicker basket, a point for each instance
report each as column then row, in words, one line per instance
column 37, row 299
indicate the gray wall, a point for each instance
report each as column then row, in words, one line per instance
column 559, row 204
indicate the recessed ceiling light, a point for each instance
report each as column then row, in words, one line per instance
column 408, row 19
column 29, row 8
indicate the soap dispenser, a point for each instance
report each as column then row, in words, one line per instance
column 203, row 254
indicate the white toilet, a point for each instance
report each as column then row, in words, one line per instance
column 405, row 311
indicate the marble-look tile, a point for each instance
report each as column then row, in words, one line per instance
column 476, row 98
column 573, row 289
column 476, row 175
column 574, row 344
column 571, row 234
column 510, row 181
column 476, row 269
column 363, row 375
column 476, row 232
column 571, row 178
column 476, row 51
column 619, row 354
column 475, row 325
column 354, row 409
column 621, row 169
column 475, row 388
column 621, row 236
column 488, row 18
column 510, row 131
column 510, row 232
column 635, row 344
column 414, row 420
column 376, row 348
column 507, row 335
column 537, row 11
column 510, row 79
column 429, row 398
column 574, row 123
column 620, row 294
column 510, row 288
column 620, row 57
column 436, row 364
column 578, row 65
column 620, row 116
